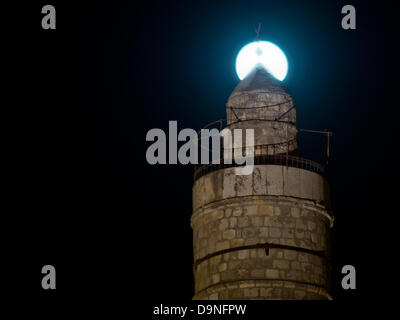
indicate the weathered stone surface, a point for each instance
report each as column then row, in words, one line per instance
column 229, row 234
column 272, row 273
column 223, row 224
column 278, row 226
column 222, row 245
column 280, row 181
column 243, row 254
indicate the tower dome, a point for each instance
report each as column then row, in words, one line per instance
column 257, row 81
column 260, row 102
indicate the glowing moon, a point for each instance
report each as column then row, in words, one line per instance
column 264, row 52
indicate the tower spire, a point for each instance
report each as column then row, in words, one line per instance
column 257, row 30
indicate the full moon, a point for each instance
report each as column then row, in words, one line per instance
column 261, row 52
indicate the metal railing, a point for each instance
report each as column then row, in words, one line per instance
column 283, row 153
column 240, row 114
column 278, row 159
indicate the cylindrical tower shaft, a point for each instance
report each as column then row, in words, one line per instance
column 263, row 235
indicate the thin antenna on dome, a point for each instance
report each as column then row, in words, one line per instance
column 257, row 30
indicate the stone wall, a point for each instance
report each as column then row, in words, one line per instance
column 271, row 180
column 269, row 206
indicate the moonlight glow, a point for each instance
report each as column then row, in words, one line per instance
column 265, row 53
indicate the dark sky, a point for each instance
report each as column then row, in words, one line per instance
column 111, row 71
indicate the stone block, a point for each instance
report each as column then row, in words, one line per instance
column 274, row 232
column 222, row 267
column 218, row 214
column 228, row 190
column 250, row 292
column 272, row 274
column 311, row 225
column 243, row 222
column 243, row 185
column 295, row 212
column 257, row 273
column 266, row 210
column 257, row 221
column 216, row 278
column 266, row 292
column 251, row 210
column 237, row 211
column 243, row 254
column 229, row 234
column 290, row 254
column 222, row 245
column 299, row 294
column 238, row 242
column 263, row 232
column 246, row 284
column 281, row 264
column 214, row 296
column 287, row 233
column 223, row 225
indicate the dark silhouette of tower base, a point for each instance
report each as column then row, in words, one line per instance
column 263, row 235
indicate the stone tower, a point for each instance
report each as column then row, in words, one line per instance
column 263, row 235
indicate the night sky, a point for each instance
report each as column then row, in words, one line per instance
column 112, row 224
